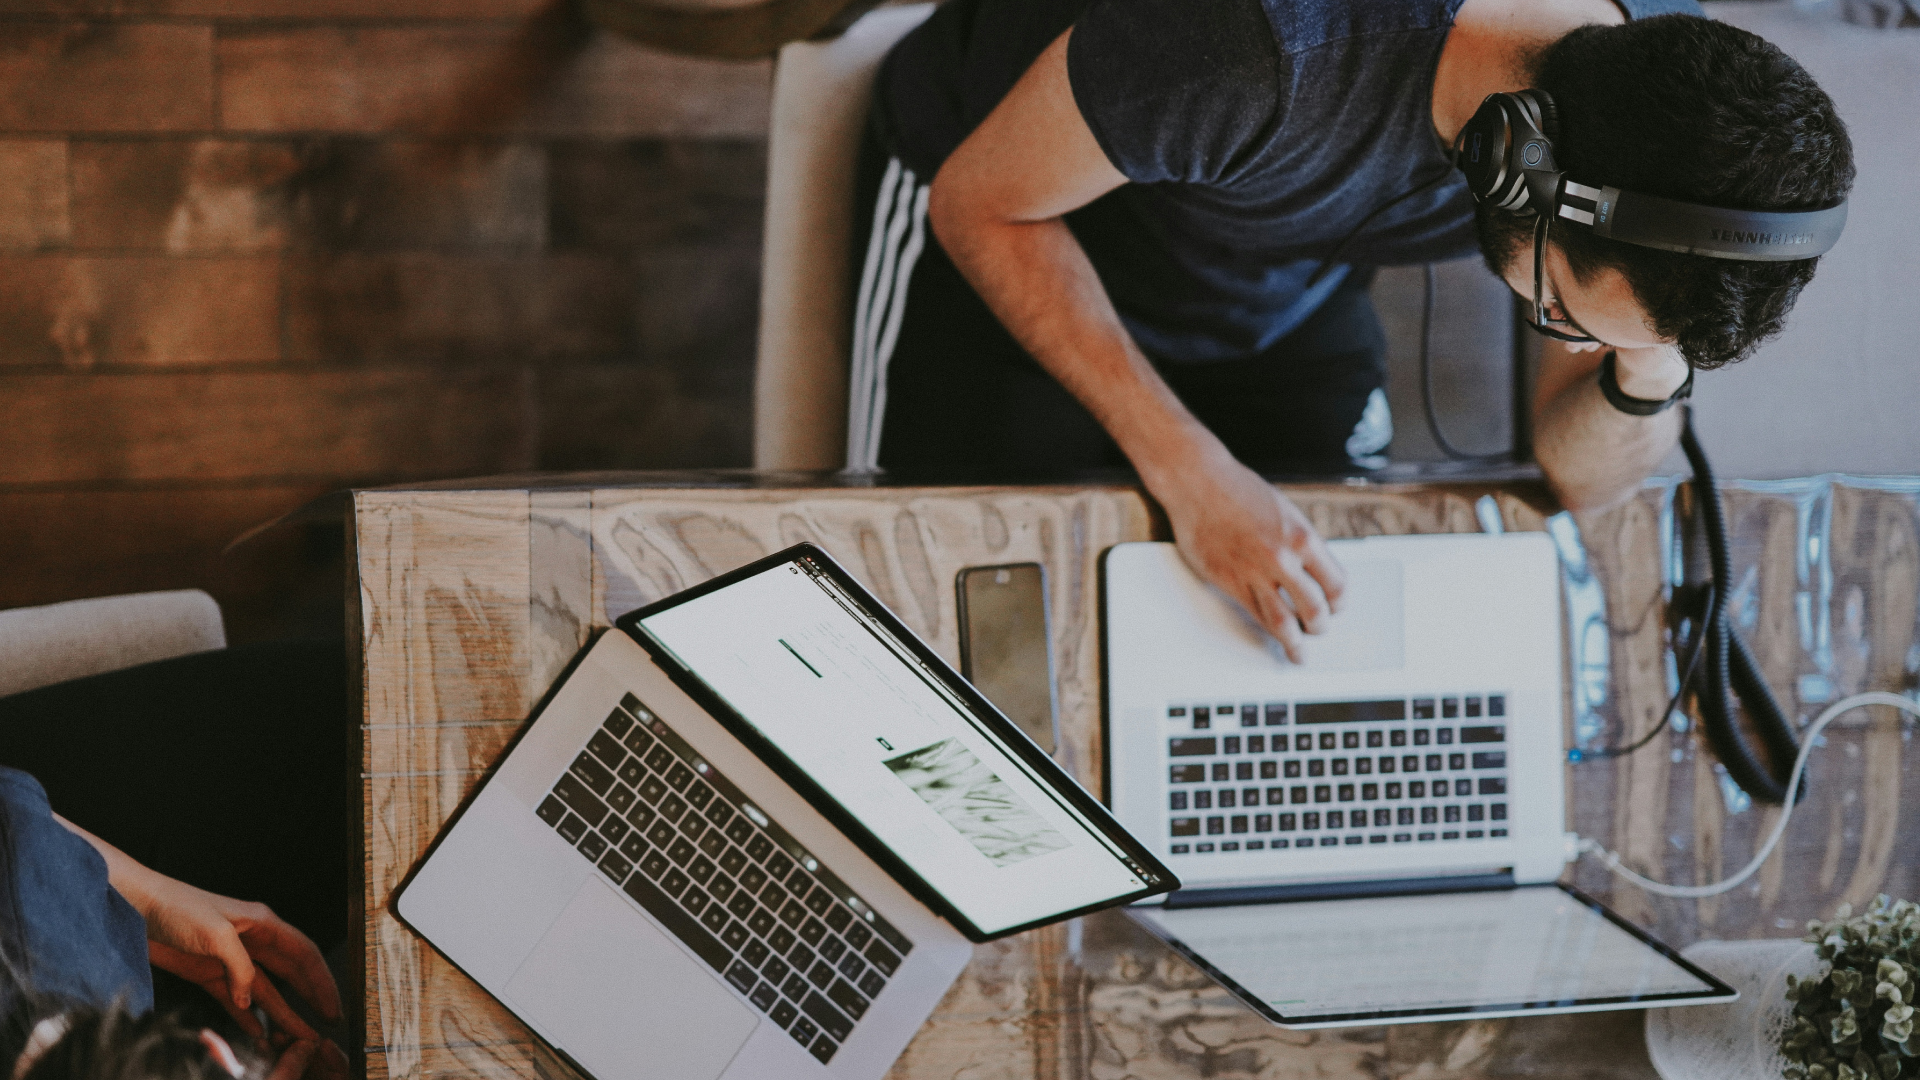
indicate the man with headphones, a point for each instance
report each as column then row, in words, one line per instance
column 1138, row 232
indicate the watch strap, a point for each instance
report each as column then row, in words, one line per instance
column 1634, row 406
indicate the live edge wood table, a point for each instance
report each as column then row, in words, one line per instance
column 472, row 596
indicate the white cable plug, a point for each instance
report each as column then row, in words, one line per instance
column 1584, row 846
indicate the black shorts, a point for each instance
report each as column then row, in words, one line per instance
column 939, row 386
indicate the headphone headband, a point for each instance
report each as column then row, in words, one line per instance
column 1691, row 229
column 1506, row 152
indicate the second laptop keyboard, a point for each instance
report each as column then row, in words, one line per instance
column 1269, row 776
column 703, row 860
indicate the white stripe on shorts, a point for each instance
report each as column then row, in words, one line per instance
column 893, row 249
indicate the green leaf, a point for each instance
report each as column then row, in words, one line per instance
column 1845, row 1027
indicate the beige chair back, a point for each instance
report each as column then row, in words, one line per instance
column 821, row 91
column 40, row 646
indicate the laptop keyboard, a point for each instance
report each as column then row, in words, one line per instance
column 1273, row 776
column 675, row 835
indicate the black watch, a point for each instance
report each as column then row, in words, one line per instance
column 1635, row 406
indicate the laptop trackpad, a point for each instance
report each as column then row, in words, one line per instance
column 1369, row 633
column 623, row 1000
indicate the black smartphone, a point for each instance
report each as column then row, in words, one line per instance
column 1005, row 650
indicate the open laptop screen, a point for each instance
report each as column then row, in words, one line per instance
column 850, row 704
column 1387, row 959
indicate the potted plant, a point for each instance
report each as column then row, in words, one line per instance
column 1856, row 1022
column 1834, row 1005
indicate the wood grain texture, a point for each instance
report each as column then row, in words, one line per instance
column 73, row 75
column 444, row 585
column 471, row 601
column 85, row 311
column 1824, row 590
column 293, row 426
column 544, row 76
column 33, row 193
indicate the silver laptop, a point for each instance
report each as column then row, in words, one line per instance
column 1372, row 835
column 753, row 833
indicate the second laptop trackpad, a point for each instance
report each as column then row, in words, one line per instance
column 623, row 999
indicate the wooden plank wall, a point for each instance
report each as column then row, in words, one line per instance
column 252, row 251
column 472, row 601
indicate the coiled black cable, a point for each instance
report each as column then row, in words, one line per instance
column 1731, row 674
column 1696, row 640
column 1730, row 679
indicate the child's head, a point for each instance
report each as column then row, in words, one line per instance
column 89, row 1043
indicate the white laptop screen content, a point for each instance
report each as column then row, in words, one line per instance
column 1535, row 946
column 857, row 712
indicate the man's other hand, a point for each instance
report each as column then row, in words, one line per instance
column 1248, row 540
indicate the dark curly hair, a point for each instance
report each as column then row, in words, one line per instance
column 113, row 1044
column 1700, row 111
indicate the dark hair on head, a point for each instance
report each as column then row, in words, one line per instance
column 114, row 1044
column 1699, row 111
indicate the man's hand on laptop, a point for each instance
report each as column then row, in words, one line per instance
column 1240, row 534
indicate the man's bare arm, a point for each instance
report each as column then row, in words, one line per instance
column 996, row 207
column 1594, row 455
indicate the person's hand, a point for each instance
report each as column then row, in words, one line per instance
column 227, row 947
column 1252, row 543
column 291, row 1064
column 300, row 1057
column 1652, row 373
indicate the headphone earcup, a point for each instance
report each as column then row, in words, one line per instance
column 1536, row 175
column 1546, row 113
column 1480, row 151
column 1506, row 148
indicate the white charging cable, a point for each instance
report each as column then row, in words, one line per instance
column 1585, row 846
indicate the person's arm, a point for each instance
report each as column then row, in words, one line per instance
column 227, row 947
column 996, row 206
column 1593, row 454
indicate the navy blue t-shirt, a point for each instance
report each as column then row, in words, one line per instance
column 1257, row 135
column 77, row 938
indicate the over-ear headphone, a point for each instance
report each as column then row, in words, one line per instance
column 1506, row 152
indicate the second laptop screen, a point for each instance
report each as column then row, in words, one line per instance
column 849, row 705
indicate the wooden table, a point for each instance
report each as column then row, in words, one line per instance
column 473, row 596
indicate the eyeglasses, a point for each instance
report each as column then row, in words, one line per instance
column 1540, row 322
